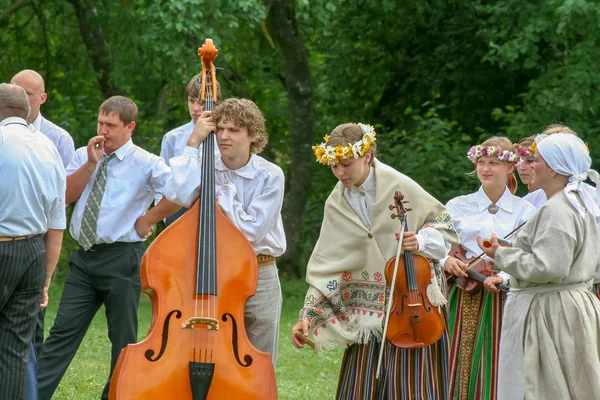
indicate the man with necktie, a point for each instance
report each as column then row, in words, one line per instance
column 113, row 182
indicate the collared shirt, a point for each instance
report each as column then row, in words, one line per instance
column 175, row 141
column 61, row 138
column 251, row 196
column 133, row 178
column 471, row 217
column 32, row 184
column 361, row 199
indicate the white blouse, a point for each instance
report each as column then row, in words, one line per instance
column 537, row 198
column 251, row 196
column 471, row 217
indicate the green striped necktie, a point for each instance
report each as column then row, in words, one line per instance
column 89, row 222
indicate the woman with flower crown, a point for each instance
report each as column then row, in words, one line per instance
column 475, row 319
column 344, row 305
column 550, row 348
column 535, row 196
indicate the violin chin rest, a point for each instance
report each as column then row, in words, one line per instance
column 405, row 341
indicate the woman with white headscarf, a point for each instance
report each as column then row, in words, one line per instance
column 549, row 347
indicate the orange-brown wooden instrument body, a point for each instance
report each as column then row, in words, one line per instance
column 199, row 272
column 413, row 321
column 168, row 276
column 478, row 270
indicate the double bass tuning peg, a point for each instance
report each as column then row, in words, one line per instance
column 395, row 216
column 391, row 207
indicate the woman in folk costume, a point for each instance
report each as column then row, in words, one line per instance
column 550, row 347
column 537, row 197
column 474, row 319
column 345, row 303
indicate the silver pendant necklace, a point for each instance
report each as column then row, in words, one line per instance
column 492, row 209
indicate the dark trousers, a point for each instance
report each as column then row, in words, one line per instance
column 110, row 275
column 22, row 277
column 169, row 220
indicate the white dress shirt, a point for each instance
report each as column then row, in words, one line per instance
column 61, row 138
column 251, row 196
column 471, row 217
column 361, row 199
column 133, row 179
column 32, row 181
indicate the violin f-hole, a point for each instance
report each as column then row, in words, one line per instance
column 234, row 342
column 165, row 338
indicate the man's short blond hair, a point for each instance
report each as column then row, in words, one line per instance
column 244, row 113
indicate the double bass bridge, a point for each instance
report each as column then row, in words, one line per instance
column 210, row 323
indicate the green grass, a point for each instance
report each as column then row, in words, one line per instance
column 301, row 374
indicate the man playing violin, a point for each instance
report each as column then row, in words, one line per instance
column 476, row 317
column 249, row 191
column 345, row 303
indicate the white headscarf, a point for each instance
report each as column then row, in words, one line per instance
column 568, row 155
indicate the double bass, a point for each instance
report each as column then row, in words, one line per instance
column 198, row 272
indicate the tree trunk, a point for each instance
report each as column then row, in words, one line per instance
column 95, row 42
column 281, row 21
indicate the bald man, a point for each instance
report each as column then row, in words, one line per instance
column 33, row 83
column 32, row 220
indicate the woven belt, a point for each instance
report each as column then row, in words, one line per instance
column 265, row 260
column 13, row 238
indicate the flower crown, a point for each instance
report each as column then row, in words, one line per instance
column 538, row 138
column 331, row 155
column 503, row 155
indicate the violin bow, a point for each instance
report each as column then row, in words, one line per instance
column 390, row 299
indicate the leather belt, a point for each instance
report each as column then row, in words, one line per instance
column 265, row 260
column 13, row 238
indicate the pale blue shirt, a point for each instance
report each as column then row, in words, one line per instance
column 471, row 217
column 174, row 142
column 251, row 196
column 32, row 182
column 134, row 177
column 61, row 138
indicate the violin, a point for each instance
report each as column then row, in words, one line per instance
column 477, row 270
column 411, row 321
column 198, row 272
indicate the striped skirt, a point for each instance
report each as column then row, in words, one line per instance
column 406, row 374
column 475, row 323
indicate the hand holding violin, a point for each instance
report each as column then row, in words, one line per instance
column 409, row 241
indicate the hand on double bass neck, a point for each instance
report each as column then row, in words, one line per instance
column 204, row 126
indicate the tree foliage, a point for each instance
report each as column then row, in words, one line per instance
column 433, row 76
